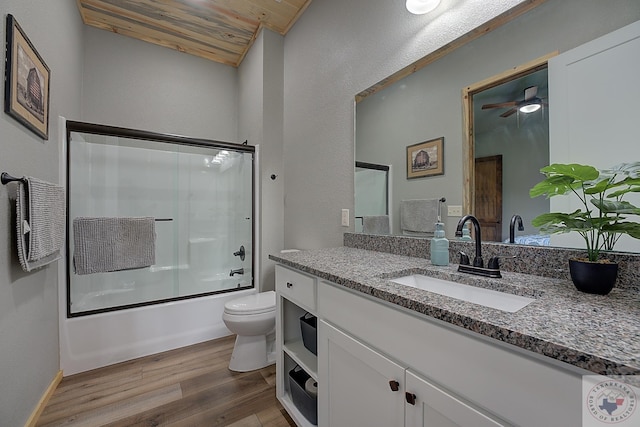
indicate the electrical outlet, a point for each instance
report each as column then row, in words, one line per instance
column 345, row 217
column 454, row 210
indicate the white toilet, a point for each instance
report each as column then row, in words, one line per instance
column 253, row 320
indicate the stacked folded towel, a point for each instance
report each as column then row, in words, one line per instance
column 103, row 244
column 40, row 222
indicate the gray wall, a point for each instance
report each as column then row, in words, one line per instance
column 335, row 50
column 339, row 48
column 260, row 122
column 428, row 104
column 29, row 301
column 133, row 84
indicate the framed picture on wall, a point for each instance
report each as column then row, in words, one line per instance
column 425, row 158
column 26, row 90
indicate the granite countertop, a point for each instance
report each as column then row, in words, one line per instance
column 597, row 333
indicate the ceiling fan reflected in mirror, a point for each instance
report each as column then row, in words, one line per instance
column 530, row 103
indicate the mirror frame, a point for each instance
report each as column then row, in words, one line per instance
column 468, row 149
column 487, row 27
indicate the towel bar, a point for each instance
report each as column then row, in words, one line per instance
column 6, row 178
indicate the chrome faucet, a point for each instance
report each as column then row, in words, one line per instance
column 477, row 261
column 493, row 269
column 237, row 271
column 512, row 233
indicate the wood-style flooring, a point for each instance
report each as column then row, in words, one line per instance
column 190, row 386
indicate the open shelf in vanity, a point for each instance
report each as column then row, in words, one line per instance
column 296, row 296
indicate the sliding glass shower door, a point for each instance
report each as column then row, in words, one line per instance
column 198, row 197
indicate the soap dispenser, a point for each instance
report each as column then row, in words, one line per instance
column 439, row 246
column 466, row 234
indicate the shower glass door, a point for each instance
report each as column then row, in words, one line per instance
column 199, row 194
column 371, row 192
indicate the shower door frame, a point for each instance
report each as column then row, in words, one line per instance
column 97, row 129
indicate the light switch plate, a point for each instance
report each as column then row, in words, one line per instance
column 454, row 210
column 345, row 217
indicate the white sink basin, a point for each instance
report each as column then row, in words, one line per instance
column 486, row 297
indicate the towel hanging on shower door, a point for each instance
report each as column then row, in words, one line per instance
column 103, row 244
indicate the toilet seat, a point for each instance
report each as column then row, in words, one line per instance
column 262, row 302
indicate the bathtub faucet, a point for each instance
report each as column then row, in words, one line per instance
column 237, row 271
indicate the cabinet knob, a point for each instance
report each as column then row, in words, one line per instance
column 289, row 284
column 411, row 398
column 395, row 385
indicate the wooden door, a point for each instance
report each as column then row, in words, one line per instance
column 488, row 196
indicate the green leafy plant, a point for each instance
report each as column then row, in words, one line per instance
column 603, row 216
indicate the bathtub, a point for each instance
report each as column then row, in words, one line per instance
column 98, row 340
column 154, row 284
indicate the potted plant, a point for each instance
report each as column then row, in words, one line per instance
column 601, row 220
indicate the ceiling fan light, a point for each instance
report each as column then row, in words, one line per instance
column 529, row 108
column 420, row 7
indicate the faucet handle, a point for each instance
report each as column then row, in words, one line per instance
column 464, row 258
column 478, row 262
column 494, row 261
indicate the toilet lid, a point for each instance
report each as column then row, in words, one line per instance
column 261, row 302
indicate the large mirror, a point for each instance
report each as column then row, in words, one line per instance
column 428, row 104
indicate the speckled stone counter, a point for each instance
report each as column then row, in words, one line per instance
column 597, row 333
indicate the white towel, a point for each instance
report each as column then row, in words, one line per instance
column 40, row 222
column 418, row 216
column 375, row 224
column 104, row 244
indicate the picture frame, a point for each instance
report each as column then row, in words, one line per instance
column 27, row 77
column 425, row 159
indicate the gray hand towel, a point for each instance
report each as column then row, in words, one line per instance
column 418, row 216
column 40, row 222
column 375, row 224
column 111, row 244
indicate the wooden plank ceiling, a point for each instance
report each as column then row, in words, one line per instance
column 219, row 30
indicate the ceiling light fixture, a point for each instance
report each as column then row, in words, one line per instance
column 530, row 106
column 420, row 7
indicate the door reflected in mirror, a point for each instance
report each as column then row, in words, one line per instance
column 509, row 143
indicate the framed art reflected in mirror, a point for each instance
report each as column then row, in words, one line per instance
column 425, row 158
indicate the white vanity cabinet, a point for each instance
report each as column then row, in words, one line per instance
column 458, row 377
column 373, row 357
column 295, row 296
column 364, row 387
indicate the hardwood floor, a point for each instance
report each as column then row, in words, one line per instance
column 190, row 386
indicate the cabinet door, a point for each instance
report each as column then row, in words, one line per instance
column 361, row 387
column 434, row 407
